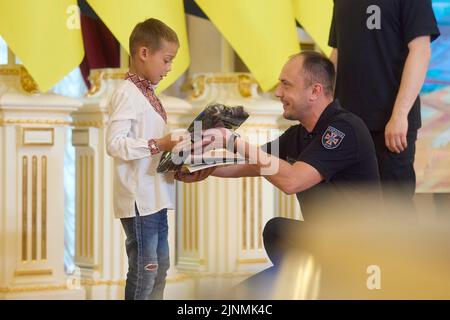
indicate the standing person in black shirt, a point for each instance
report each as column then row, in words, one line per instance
column 382, row 51
column 328, row 156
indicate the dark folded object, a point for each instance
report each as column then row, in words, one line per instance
column 213, row 116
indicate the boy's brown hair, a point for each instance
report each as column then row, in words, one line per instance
column 149, row 34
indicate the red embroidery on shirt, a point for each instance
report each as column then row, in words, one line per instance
column 147, row 90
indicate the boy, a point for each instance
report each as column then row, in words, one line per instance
column 136, row 135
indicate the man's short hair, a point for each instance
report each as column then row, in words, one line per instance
column 149, row 33
column 318, row 69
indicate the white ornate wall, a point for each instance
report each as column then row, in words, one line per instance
column 33, row 136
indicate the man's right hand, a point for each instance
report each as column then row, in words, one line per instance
column 187, row 177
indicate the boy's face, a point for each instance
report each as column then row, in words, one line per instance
column 158, row 63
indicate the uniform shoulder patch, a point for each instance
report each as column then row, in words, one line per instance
column 332, row 138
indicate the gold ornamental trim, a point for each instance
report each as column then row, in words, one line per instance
column 34, row 121
column 37, row 272
column 102, row 282
column 44, row 208
column 25, row 142
column 96, row 77
column 95, row 124
column 95, row 81
column 252, row 261
column 198, row 86
column 9, row 72
column 244, row 83
column 26, row 81
column 33, row 288
column 34, row 208
column 24, row 208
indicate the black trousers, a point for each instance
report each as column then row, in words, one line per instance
column 283, row 238
column 396, row 169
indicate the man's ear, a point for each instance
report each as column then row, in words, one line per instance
column 317, row 90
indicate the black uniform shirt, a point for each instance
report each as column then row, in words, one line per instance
column 340, row 148
column 372, row 39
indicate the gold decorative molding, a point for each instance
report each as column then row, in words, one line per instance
column 9, row 72
column 44, row 208
column 34, row 208
column 244, row 213
column 24, row 207
column 122, row 282
column 85, row 206
column 86, row 282
column 190, row 188
column 91, row 207
column 34, row 121
column 184, row 217
column 96, row 77
column 27, row 82
column 26, row 142
column 92, row 123
column 252, row 261
column 36, row 272
column 198, row 86
column 78, row 209
column 102, row 282
column 245, row 83
column 95, row 81
column 222, row 79
column 260, row 212
column 252, row 213
column 33, row 288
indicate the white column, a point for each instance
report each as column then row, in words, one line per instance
column 32, row 142
column 100, row 240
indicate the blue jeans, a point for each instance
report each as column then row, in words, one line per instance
column 148, row 255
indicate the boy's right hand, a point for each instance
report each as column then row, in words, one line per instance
column 188, row 177
column 173, row 140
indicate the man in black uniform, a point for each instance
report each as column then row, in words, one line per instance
column 328, row 156
column 382, row 51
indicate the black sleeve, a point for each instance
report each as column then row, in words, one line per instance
column 332, row 39
column 418, row 20
column 279, row 146
column 329, row 158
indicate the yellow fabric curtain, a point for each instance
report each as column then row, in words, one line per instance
column 121, row 16
column 315, row 17
column 262, row 32
column 45, row 35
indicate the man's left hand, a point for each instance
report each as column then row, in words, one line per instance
column 197, row 176
column 395, row 134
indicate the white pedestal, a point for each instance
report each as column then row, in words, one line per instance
column 32, row 141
